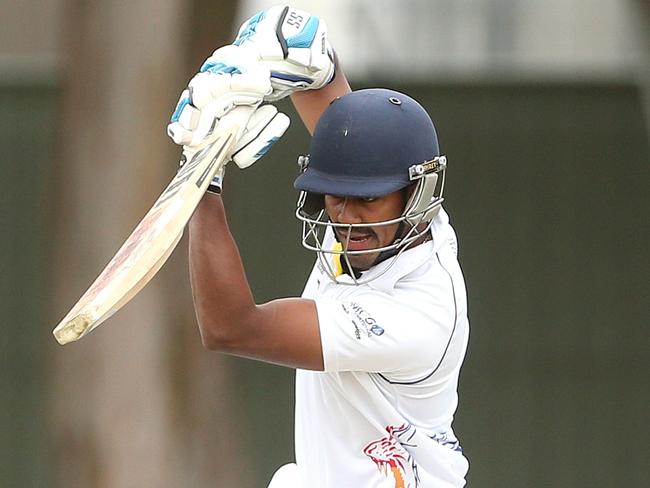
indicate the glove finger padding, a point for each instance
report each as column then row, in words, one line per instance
column 231, row 77
column 264, row 129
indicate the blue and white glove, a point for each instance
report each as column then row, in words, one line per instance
column 231, row 77
column 292, row 44
column 265, row 127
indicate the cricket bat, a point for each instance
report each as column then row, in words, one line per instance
column 155, row 237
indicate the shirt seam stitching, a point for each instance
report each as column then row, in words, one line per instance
column 453, row 330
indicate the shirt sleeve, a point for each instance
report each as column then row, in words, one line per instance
column 381, row 333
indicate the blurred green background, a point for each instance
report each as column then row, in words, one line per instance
column 547, row 189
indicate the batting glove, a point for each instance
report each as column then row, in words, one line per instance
column 265, row 127
column 231, row 77
column 292, row 44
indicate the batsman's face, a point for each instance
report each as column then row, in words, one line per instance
column 352, row 210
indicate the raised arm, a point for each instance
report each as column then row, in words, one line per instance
column 311, row 104
column 284, row 331
column 294, row 46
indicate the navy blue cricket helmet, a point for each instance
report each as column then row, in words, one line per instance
column 365, row 142
column 370, row 143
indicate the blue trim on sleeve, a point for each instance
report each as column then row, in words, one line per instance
column 306, row 37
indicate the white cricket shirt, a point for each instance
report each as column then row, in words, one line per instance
column 380, row 414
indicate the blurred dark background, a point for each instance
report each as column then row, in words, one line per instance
column 547, row 189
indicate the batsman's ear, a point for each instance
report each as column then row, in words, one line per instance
column 265, row 127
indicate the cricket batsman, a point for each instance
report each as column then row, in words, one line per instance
column 380, row 332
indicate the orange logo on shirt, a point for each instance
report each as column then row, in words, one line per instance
column 391, row 457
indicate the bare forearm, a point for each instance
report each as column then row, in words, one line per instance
column 310, row 104
column 282, row 331
column 222, row 296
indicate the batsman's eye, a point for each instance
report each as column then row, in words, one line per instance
column 369, row 199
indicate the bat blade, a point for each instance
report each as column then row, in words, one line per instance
column 70, row 330
column 155, row 237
